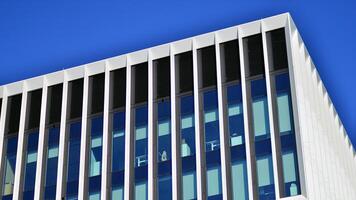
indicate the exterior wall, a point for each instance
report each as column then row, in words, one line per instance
column 328, row 155
column 327, row 161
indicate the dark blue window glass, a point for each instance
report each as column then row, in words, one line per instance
column 73, row 160
column 118, row 156
column 141, row 152
column 9, row 169
column 30, row 166
column 52, row 163
column 187, row 131
column 237, row 142
column 212, row 144
column 164, row 150
column 287, row 136
column 95, row 157
column 262, row 139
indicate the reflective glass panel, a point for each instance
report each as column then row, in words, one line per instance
column 164, row 150
column 9, row 169
column 187, row 131
column 212, row 144
column 287, row 136
column 118, row 156
column 52, row 163
column 237, row 142
column 141, row 152
column 73, row 160
column 30, row 165
column 95, row 157
column 262, row 139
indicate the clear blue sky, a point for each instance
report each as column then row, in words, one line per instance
column 46, row 36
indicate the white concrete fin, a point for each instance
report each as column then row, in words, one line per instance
column 226, row 35
column 117, row 62
column 204, row 40
column 159, row 51
column 138, row 57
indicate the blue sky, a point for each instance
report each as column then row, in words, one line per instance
column 41, row 37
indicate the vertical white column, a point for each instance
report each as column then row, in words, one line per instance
column 63, row 141
column 152, row 133
column 20, row 156
column 199, row 131
column 42, row 144
column 249, row 135
column 3, row 138
column 273, row 121
column 224, row 134
column 129, row 140
column 84, row 144
column 107, row 135
column 176, row 160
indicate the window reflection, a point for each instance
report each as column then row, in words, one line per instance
column 73, row 160
column 95, row 157
column 52, row 163
column 118, row 156
column 262, row 139
column 287, row 135
column 187, row 131
column 164, row 149
column 141, row 152
column 212, row 144
column 30, row 165
column 237, row 142
column 9, row 169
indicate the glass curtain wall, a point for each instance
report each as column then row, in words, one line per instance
column 31, row 134
column 185, row 101
column 230, row 66
column 278, row 58
column 118, row 98
column 10, row 144
column 54, row 108
column 162, row 108
column 74, row 127
column 140, row 112
column 208, row 91
column 95, row 120
column 255, row 80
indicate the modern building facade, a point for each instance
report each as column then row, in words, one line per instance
column 239, row 113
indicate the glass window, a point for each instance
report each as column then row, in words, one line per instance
column 230, row 60
column 239, row 180
column 207, row 63
column 237, row 142
column 13, row 113
column 76, row 98
column 140, row 74
column 253, row 52
column 118, row 156
column 287, row 135
column 189, row 186
column 55, row 103
column 119, row 87
column 164, row 150
column 73, row 160
column 95, row 157
column 0, row 106
column 97, row 93
column 277, row 49
column 163, row 82
column 52, row 163
column 34, row 103
column 262, row 139
column 184, row 64
column 30, row 165
column 9, row 167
